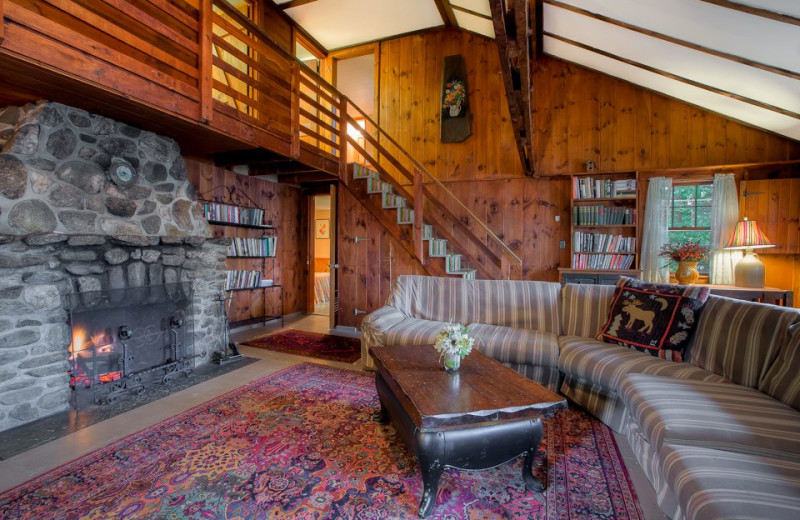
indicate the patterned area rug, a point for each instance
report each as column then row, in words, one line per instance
column 302, row 444
column 310, row 344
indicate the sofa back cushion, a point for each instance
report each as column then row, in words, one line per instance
column 510, row 303
column 782, row 380
column 585, row 308
column 740, row 340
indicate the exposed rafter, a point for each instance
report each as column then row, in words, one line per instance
column 513, row 35
column 295, row 3
column 470, row 11
column 764, row 13
column 670, row 39
column 446, row 10
column 675, row 77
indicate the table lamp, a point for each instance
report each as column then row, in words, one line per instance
column 749, row 271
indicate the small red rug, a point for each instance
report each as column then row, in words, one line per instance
column 303, row 444
column 310, row 344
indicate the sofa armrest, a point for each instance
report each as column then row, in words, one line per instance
column 373, row 329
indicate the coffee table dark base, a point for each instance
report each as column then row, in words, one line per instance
column 471, row 448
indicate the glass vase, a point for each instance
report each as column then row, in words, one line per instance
column 452, row 362
column 686, row 273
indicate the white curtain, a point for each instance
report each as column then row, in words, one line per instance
column 656, row 226
column 724, row 215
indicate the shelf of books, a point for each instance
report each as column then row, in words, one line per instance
column 231, row 215
column 253, row 247
column 604, row 226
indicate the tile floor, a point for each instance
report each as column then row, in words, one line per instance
column 36, row 461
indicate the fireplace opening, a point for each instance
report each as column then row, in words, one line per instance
column 126, row 340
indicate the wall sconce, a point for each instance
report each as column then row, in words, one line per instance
column 749, row 271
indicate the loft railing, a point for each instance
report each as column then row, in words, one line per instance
column 204, row 61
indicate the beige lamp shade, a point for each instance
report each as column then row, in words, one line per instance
column 749, row 271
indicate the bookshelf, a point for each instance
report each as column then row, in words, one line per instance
column 253, row 295
column 604, row 228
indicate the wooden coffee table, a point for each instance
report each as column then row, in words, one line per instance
column 479, row 417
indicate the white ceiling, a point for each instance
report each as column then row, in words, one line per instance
column 736, row 63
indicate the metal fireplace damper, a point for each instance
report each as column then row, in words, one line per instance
column 125, row 340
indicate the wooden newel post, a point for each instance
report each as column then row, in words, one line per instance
column 206, row 64
column 343, row 137
column 419, row 244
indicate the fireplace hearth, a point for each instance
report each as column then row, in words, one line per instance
column 106, row 288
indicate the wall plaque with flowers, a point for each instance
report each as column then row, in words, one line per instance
column 455, row 117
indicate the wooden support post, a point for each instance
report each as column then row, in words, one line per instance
column 295, row 111
column 343, row 136
column 419, row 244
column 206, row 64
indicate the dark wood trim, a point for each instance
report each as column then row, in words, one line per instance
column 670, row 39
column 388, row 38
column 446, row 12
column 764, row 13
column 470, row 11
column 675, row 77
column 294, row 3
column 2, row 22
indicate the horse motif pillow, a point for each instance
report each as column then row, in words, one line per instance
column 655, row 318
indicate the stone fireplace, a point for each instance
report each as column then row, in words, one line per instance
column 91, row 206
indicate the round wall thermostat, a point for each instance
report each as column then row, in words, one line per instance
column 121, row 172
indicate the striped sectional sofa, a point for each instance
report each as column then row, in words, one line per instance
column 718, row 436
column 515, row 322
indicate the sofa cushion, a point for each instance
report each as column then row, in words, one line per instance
column 412, row 331
column 604, row 364
column 782, row 380
column 511, row 303
column 724, row 416
column 655, row 318
column 740, row 340
column 510, row 345
column 713, row 484
column 584, row 308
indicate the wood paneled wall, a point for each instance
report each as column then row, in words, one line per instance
column 284, row 208
column 579, row 114
column 410, row 105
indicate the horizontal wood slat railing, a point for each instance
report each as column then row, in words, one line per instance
column 210, row 65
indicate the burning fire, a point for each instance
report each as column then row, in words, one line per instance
column 98, row 342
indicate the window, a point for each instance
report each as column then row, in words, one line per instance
column 690, row 216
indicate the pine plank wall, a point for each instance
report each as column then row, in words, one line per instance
column 579, row 114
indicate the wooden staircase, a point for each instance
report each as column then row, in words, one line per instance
column 374, row 188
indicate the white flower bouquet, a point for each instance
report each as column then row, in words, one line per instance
column 453, row 343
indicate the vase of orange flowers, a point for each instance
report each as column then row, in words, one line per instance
column 686, row 255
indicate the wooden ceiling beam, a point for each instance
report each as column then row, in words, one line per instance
column 654, row 70
column 511, row 20
column 757, row 11
column 446, row 12
column 676, row 41
column 295, row 3
column 470, row 11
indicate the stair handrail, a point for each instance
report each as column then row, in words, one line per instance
column 436, row 181
column 342, row 120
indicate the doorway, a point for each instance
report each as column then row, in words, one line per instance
column 322, row 240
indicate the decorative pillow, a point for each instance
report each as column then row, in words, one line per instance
column 654, row 318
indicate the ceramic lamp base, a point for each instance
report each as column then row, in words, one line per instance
column 749, row 272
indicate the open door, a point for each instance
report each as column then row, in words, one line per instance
column 322, row 249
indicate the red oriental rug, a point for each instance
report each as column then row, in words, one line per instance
column 310, row 344
column 302, row 444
